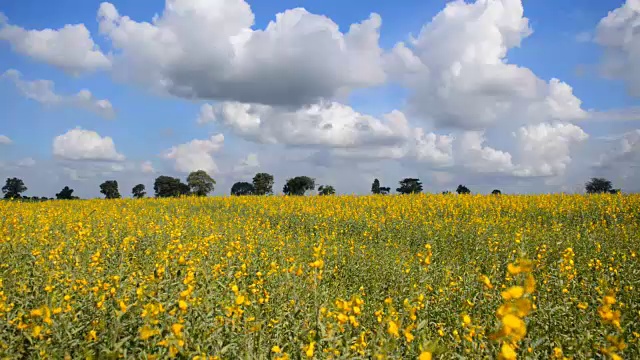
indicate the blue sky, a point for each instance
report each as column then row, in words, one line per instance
column 552, row 148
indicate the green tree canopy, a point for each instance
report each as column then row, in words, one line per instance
column 242, row 188
column 263, row 184
column 299, row 185
column 110, row 189
column 599, row 186
column 66, row 194
column 167, row 186
column 138, row 191
column 13, row 188
column 410, row 186
column 326, row 190
column 200, row 183
column 463, row 190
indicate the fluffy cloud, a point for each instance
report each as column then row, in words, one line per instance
column 459, row 76
column 325, row 124
column 545, row 148
column 618, row 34
column 626, row 151
column 196, row 155
column 208, row 50
column 247, row 165
column 79, row 144
column 70, row 48
column 475, row 155
column 43, row 91
column 4, row 140
column 147, row 167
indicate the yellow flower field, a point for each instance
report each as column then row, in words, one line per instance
column 417, row 277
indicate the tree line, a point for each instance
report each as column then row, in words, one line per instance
column 199, row 183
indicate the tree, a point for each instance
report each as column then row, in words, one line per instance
column 242, row 188
column 263, row 184
column 326, row 190
column 375, row 187
column 200, row 183
column 138, row 191
column 167, row 186
column 600, row 185
column 66, row 194
column 110, row 189
column 299, row 185
column 496, row 192
column 463, row 190
column 410, row 186
column 13, row 188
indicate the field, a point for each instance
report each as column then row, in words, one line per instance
column 424, row 276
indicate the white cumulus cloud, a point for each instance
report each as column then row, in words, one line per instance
column 619, row 35
column 459, row 77
column 209, row 50
column 43, row 91
column 70, row 48
column 147, row 167
column 196, row 155
column 80, row 144
column 5, row 140
column 328, row 124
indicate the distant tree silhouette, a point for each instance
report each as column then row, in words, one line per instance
column 463, row 190
column 110, row 189
column 263, row 184
column 446, row 192
column 167, row 186
column 13, row 188
column 200, row 183
column 66, row 194
column 138, row 191
column 242, row 188
column 410, row 186
column 299, row 185
column 377, row 189
column 326, row 190
column 496, row 192
column 599, row 186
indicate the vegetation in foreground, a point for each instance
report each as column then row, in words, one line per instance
column 418, row 276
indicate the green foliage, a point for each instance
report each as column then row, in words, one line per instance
column 299, row 185
column 138, row 191
column 410, row 186
column 109, row 189
column 200, row 183
column 13, row 188
column 167, row 186
column 242, row 188
column 66, row 194
column 326, row 190
column 263, row 184
column 599, row 186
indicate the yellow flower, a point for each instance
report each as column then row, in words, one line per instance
column 276, row 349
column 425, row 355
column 92, row 336
column 529, row 284
column 309, row 351
column 466, row 319
column 514, row 292
column 146, row 332
column 583, row 306
column 239, row 299
column 176, row 329
column 182, row 305
column 507, row 352
column 392, row 329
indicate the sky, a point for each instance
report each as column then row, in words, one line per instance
column 524, row 96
